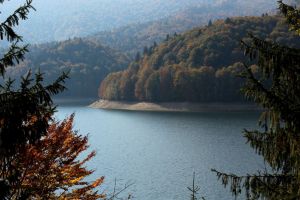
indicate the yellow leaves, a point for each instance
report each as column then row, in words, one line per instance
column 76, row 180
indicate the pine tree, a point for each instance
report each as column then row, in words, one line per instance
column 137, row 57
column 167, row 37
column 277, row 91
column 194, row 190
column 228, row 20
column 209, row 23
column 25, row 113
column 146, row 51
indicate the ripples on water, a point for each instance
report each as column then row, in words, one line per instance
column 160, row 151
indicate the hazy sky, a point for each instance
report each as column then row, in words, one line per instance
column 61, row 19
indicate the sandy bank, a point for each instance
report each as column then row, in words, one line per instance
column 171, row 107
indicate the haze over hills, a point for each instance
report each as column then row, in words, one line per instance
column 132, row 38
column 90, row 59
column 59, row 20
column 88, row 62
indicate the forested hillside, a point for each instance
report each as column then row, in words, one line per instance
column 134, row 37
column 88, row 62
column 198, row 66
column 60, row 20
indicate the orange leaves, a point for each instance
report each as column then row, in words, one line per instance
column 98, row 182
column 52, row 169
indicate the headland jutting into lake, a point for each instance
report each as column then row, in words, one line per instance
column 172, row 106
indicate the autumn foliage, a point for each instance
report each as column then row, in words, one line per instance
column 51, row 168
column 200, row 65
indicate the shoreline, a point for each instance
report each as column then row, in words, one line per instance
column 172, row 106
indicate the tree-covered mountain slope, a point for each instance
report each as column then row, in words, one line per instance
column 198, row 66
column 62, row 19
column 88, row 62
column 134, row 37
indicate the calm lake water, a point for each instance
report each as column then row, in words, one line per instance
column 159, row 152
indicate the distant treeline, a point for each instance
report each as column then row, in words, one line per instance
column 174, row 83
column 87, row 61
column 200, row 65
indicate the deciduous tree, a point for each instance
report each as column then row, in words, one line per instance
column 51, row 169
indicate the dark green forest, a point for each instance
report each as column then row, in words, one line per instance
column 88, row 62
column 198, row 66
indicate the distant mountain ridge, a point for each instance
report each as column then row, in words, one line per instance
column 91, row 58
column 132, row 38
column 57, row 20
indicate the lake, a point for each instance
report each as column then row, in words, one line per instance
column 159, row 152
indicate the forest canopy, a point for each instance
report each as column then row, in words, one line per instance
column 88, row 62
column 198, row 66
